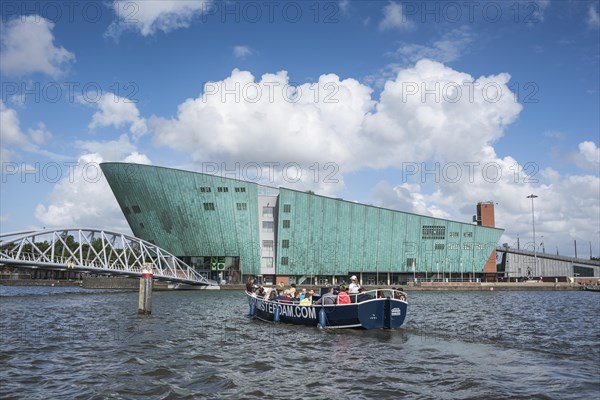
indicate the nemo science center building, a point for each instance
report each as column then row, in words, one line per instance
column 229, row 229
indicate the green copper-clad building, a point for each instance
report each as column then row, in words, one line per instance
column 229, row 229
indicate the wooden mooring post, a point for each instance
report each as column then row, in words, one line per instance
column 145, row 302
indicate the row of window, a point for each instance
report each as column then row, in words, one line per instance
column 457, row 234
column 238, row 206
column 439, row 233
column 222, row 189
column 268, row 244
column 433, row 232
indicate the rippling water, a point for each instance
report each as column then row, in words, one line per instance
column 75, row 343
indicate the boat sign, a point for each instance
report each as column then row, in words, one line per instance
column 287, row 310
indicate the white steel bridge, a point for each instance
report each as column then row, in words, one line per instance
column 95, row 251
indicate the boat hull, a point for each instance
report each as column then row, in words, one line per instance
column 384, row 313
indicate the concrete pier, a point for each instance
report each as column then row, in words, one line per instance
column 145, row 301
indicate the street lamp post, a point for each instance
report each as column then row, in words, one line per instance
column 533, row 196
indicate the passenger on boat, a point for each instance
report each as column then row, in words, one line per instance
column 292, row 290
column 327, row 298
column 354, row 285
column 307, row 300
column 343, row 297
column 284, row 298
column 363, row 296
column 398, row 295
column 303, row 294
column 249, row 283
column 296, row 298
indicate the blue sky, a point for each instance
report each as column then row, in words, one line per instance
column 504, row 94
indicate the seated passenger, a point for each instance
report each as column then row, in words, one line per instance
column 313, row 296
column 363, row 296
column 295, row 298
column 303, row 294
column 343, row 297
column 305, row 302
column 328, row 298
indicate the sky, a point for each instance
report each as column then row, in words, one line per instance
column 423, row 107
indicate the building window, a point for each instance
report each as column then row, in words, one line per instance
column 433, row 232
column 267, row 262
column 126, row 211
column 452, row 246
column 222, row 189
column 136, row 209
column 468, row 234
column 205, row 189
column 267, row 244
column 240, row 189
column 267, row 226
column 286, row 223
column 241, row 206
column 268, row 211
column 209, row 206
column 467, row 246
column 284, row 261
column 479, row 246
column 453, row 234
column 285, row 244
column 411, row 261
column 439, row 246
column 287, row 208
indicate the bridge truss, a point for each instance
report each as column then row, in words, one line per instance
column 95, row 251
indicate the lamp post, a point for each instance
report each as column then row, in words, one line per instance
column 533, row 196
column 461, row 272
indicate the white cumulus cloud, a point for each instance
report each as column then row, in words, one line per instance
column 27, row 46
column 149, row 17
column 13, row 139
column 118, row 111
column 83, row 198
column 394, row 18
column 588, row 156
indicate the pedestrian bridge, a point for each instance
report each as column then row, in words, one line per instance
column 95, row 251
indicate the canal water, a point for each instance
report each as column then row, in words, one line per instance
column 72, row 343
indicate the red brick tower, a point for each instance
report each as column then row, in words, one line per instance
column 485, row 217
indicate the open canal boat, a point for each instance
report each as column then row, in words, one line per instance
column 375, row 309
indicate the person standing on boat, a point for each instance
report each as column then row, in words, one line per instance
column 354, row 285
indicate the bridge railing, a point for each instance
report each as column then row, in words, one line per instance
column 92, row 249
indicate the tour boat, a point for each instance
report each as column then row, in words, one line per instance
column 375, row 309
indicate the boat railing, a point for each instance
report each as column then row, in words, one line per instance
column 378, row 294
column 354, row 298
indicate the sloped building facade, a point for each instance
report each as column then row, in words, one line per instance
column 229, row 229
